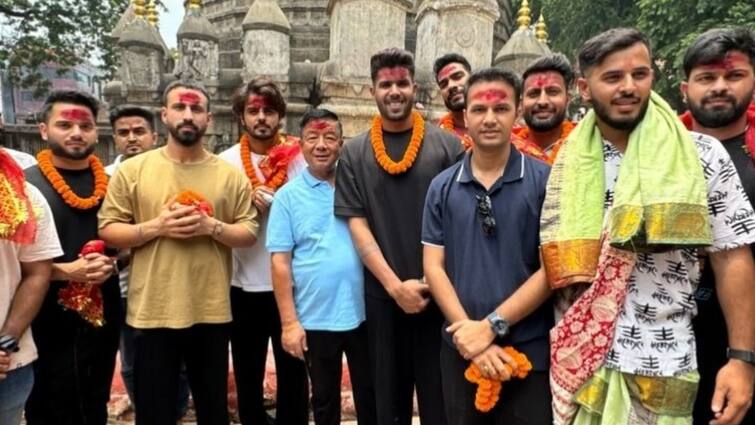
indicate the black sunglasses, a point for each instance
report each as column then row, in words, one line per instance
column 485, row 210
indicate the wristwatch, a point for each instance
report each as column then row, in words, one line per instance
column 8, row 344
column 744, row 355
column 499, row 325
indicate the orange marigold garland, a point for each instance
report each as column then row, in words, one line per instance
column 199, row 202
column 275, row 167
column 521, row 139
column 44, row 158
column 410, row 155
column 489, row 390
column 447, row 123
column 82, row 297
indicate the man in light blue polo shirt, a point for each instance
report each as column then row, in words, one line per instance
column 480, row 231
column 317, row 277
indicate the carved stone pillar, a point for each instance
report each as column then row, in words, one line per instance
column 266, row 43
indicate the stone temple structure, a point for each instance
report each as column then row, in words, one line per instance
column 318, row 51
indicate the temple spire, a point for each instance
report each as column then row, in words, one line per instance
column 541, row 30
column 152, row 16
column 524, row 15
column 139, row 9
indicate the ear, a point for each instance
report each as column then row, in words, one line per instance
column 584, row 89
column 164, row 115
column 684, row 87
column 42, row 130
column 372, row 90
column 209, row 119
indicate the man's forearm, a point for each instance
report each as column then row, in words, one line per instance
column 235, row 235
column 28, row 297
column 126, row 235
column 735, row 285
column 283, row 288
column 441, row 287
column 370, row 253
column 526, row 299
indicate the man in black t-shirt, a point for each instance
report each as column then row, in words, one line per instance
column 381, row 182
column 76, row 357
column 720, row 72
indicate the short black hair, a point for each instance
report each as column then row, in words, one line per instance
column 556, row 62
column 260, row 86
column 713, row 45
column 187, row 84
column 320, row 114
column 488, row 75
column 391, row 58
column 122, row 111
column 68, row 96
column 448, row 58
column 595, row 50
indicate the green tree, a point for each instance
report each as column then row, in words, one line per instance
column 65, row 32
column 671, row 26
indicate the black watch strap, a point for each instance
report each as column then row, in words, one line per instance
column 744, row 355
column 8, row 344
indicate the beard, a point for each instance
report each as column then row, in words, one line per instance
column 261, row 132
column 60, row 151
column 623, row 124
column 457, row 106
column 187, row 138
column 718, row 117
column 400, row 115
column 542, row 125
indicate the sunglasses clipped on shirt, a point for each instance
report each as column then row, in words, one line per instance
column 485, row 210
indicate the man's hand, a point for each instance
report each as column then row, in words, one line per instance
column 178, row 221
column 491, row 361
column 294, row 340
column 471, row 337
column 75, row 270
column 261, row 198
column 733, row 394
column 98, row 268
column 411, row 295
column 4, row 364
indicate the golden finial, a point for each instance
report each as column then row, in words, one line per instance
column 152, row 16
column 523, row 16
column 139, row 9
column 541, row 30
column 194, row 4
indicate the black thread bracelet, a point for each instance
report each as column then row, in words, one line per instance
column 8, row 344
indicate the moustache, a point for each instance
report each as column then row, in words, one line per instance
column 626, row 97
column 729, row 98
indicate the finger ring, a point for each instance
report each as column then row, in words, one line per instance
column 485, row 368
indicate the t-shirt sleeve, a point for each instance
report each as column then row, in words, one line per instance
column 280, row 234
column 118, row 206
column 349, row 201
column 432, row 215
column 46, row 244
column 730, row 212
column 244, row 212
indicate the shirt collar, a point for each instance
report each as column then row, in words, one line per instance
column 311, row 180
column 514, row 168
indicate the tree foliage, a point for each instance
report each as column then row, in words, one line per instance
column 64, row 32
column 671, row 26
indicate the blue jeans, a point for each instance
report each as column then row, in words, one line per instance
column 14, row 390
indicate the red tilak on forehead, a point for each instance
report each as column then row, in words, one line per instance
column 447, row 71
column 77, row 114
column 395, row 73
column 320, row 124
column 545, row 81
column 730, row 60
column 189, row 98
column 257, row 101
column 491, row 95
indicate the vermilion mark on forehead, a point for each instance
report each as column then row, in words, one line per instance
column 77, row 114
column 320, row 124
column 491, row 95
column 395, row 74
column 729, row 61
column 257, row 101
column 447, row 71
column 189, row 98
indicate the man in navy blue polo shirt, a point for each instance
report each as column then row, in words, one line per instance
column 480, row 232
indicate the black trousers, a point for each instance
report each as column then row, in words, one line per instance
column 158, row 356
column 255, row 323
column 404, row 353
column 324, row 363
column 74, row 371
column 522, row 401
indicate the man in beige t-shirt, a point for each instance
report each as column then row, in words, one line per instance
column 178, row 296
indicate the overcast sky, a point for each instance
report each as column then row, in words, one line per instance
column 170, row 20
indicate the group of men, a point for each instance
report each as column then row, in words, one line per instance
column 416, row 250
